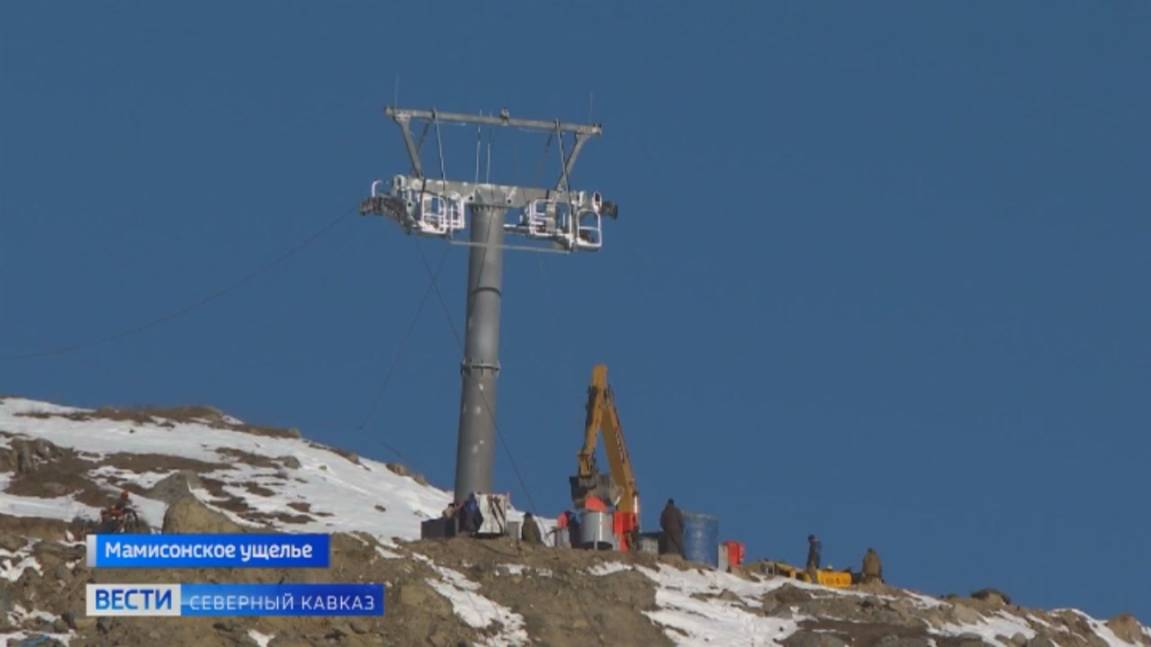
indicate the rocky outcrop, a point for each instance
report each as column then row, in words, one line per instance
column 175, row 487
column 189, row 515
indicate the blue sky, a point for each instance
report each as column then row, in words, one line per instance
column 880, row 271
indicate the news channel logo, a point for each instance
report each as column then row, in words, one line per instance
column 333, row 599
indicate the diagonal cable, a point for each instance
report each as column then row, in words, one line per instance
column 186, row 309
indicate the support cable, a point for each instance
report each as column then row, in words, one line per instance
column 186, row 309
column 396, row 357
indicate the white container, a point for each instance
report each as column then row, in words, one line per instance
column 596, row 531
column 494, row 508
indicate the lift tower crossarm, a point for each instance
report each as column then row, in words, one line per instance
column 407, row 114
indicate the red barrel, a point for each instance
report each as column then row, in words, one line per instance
column 735, row 552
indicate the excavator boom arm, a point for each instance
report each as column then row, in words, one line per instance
column 617, row 456
column 602, row 415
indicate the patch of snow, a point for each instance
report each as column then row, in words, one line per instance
column 1039, row 622
column 992, row 628
column 329, row 482
column 923, row 601
column 480, row 612
column 261, row 639
column 1102, row 630
column 712, row 583
column 520, row 569
column 64, row 508
column 693, row 621
column 43, row 615
column 11, row 570
column 34, row 406
column 14, row 638
column 607, row 568
column 387, row 554
column 144, row 479
column 474, row 609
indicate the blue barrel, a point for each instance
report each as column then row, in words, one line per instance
column 701, row 538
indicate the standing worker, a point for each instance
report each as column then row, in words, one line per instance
column 574, row 529
column 531, row 531
column 671, row 523
column 814, row 552
column 562, row 538
column 471, row 519
column 872, row 567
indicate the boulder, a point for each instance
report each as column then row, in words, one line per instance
column 190, row 515
column 11, row 542
column 174, row 487
column 992, row 596
column 43, row 449
column 1128, row 628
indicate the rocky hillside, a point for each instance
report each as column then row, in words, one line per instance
column 198, row 470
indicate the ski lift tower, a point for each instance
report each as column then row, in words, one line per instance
column 555, row 218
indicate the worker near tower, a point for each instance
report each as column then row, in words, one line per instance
column 872, row 567
column 562, row 530
column 814, row 553
column 531, row 531
column 470, row 517
column 671, row 523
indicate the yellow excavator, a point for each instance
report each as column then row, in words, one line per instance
column 615, row 492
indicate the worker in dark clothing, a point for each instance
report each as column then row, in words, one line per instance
column 531, row 531
column 123, row 503
column 671, row 523
column 872, row 567
column 574, row 529
column 814, row 552
column 470, row 516
column 120, row 516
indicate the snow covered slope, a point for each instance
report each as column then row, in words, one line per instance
column 59, row 463
column 275, row 476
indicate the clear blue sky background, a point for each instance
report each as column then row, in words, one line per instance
column 881, row 271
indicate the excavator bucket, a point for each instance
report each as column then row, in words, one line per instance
column 598, row 485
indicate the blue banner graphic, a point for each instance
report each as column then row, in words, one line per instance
column 235, row 600
column 208, row 551
column 282, row 600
